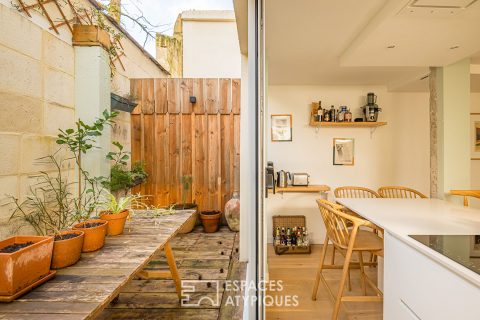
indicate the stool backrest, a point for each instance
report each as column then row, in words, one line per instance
column 400, row 192
column 341, row 227
column 355, row 192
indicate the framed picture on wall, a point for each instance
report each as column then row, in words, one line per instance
column 475, row 135
column 281, row 127
column 343, row 151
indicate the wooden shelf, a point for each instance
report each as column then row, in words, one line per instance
column 303, row 189
column 347, row 124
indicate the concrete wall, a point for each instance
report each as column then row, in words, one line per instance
column 397, row 153
column 37, row 97
column 210, row 45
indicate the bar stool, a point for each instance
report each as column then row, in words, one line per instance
column 400, row 192
column 343, row 230
column 465, row 194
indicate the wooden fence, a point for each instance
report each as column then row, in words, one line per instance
column 175, row 137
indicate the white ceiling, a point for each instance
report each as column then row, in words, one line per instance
column 333, row 42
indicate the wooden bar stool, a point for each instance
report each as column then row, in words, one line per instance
column 465, row 194
column 400, row 192
column 343, row 230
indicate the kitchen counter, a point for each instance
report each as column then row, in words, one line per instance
column 419, row 282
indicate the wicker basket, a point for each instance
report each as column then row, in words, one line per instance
column 289, row 222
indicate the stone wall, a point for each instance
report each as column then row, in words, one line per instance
column 37, row 97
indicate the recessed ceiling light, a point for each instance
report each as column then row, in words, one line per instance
column 454, row 47
column 392, row 46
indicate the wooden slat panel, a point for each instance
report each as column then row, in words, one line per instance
column 148, row 99
column 186, row 90
column 226, row 145
column 198, row 92
column 225, row 99
column 236, row 153
column 174, row 137
column 186, row 169
column 149, row 158
column 200, row 173
column 211, row 93
column 160, row 95
column 161, row 167
column 236, row 94
column 180, row 139
column 213, row 163
column 136, row 137
column 136, row 92
column 173, row 96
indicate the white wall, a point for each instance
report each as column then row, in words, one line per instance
column 397, row 153
column 211, row 49
column 475, row 164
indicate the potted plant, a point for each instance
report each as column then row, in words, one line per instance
column 191, row 222
column 89, row 189
column 121, row 178
column 48, row 208
column 116, row 212
column 210, row 220
column 24, row 260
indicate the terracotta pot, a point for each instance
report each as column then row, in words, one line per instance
column 67, row 252
column 210, row 220
column 95, row 236
column 189, row 225
column 116, row 221
column 22, row 268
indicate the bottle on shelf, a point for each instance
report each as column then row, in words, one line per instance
column 283, row 237
column 299, row 237
column 277, row 236
column 348, row 116
column 289, row 237
column 306, row 240
column 319, row 112
column 332, row 114
column 294, row 236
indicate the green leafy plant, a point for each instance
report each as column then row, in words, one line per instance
column 49, row 205
column 120, row 177
column 79, row 141
column 112, row 205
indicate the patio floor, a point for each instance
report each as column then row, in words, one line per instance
column 210, row 257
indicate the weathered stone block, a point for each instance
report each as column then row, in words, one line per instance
column 19, row 33
column 58, row 117
column 58, row 54
column 10, row 155
column 59, row 88
column 8, row 187
column 20, row 73
column 33, row 149
column 20, row 113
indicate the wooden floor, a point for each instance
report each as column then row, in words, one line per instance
column 200, row 256
column 298, row 273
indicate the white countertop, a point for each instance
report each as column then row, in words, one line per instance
column 404, row 217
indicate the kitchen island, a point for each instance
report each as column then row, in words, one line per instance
column 419, row 282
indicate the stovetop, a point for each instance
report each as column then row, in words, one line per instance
column 463, row 249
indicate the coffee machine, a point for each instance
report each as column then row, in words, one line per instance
column 371, row 109
column 269, row 178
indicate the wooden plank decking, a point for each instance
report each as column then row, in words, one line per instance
column 211, row 257
column 83, row 290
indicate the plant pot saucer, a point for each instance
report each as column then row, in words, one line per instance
column 20, row 293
